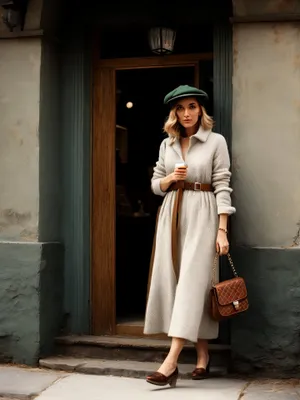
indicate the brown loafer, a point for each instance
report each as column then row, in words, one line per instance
column 201, row 373
column 159, row 379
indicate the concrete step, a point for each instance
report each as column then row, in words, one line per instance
column 124, row 368
column 134, row 349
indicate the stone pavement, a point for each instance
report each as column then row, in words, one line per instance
column 26, row 383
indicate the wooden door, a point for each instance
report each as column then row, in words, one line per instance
column 103, row 203
column 103, row 212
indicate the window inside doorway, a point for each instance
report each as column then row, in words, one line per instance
column 139, row 121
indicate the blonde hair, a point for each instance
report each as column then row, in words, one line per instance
column 173, row 128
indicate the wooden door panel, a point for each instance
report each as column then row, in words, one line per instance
column 103, row 203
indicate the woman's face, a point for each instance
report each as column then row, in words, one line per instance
column 188, row 112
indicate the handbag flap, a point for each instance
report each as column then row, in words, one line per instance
column 230, row 291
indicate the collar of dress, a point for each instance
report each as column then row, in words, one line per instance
column 201, row 135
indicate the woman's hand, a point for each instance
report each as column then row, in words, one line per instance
column 222, row 244
column 179, row 174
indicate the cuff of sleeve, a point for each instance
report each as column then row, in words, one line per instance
column 226, row 210
column 156, row 188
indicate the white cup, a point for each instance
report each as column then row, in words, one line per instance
column 180, row 165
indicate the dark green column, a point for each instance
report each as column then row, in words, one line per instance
column 76, row 113
column 223, row 80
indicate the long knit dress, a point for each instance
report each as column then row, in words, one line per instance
column 182, row 310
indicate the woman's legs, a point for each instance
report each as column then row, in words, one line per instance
column 170, row 363
column 202, row 353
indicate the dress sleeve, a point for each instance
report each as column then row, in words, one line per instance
column 159, row 171
column 221, row 178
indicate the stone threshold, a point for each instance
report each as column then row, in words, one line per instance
column 123, row 368
column 123, row 341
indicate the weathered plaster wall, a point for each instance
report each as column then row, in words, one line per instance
column 266, row 134
column 265, row 339
column 266, row 182
column 31, row 264
column 19, row 301
column 31, row 277
column 243, row 8
column 20, row 62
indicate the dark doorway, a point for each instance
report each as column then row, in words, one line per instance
column 140, row 115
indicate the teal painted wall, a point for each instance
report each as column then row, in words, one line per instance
column 31, row 276
column 50, row 145
column 222, row 86
column 76, row 115
column 265, row 340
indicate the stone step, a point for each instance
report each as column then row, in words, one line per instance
column 132, row 348
column 124, row 368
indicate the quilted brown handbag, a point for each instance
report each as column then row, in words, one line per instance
column 228, row 298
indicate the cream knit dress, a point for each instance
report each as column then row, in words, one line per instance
column 182, row 310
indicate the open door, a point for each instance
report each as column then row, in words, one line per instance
column 103, row 285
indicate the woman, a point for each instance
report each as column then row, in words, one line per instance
column 192, row 226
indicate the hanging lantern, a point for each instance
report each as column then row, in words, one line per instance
column 162, row 40
column 13, row 13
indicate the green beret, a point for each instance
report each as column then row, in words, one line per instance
column 186, row 91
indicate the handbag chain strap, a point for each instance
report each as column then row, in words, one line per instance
column 215, row 264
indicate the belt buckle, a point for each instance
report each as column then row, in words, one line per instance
column 197, row 186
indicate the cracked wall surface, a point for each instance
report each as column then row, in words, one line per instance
column 31, row 290
column 31, row 257
column 266, row 133
column 265, row 165
column 19, row 143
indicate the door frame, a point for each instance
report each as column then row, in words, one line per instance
column 103, row 197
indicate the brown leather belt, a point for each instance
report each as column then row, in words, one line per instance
column 180, row 186
column 196, row 186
